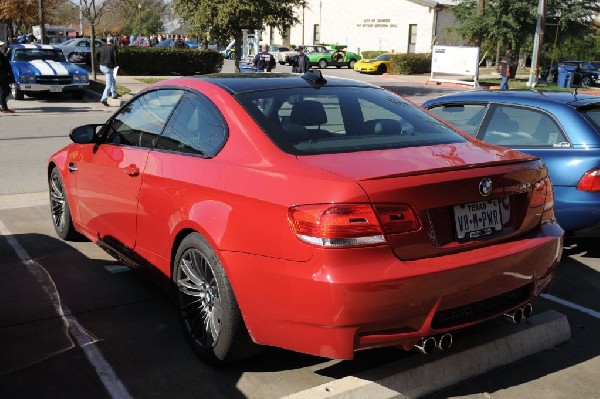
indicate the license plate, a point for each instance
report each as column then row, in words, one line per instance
column 55, row 89
column 477, row 219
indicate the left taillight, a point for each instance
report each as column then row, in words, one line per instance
column 350, row 225
column 590, row 181
column 542, row 194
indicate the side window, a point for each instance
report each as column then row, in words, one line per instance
column 522, row 127
column 140, row 122
column 196, row 127
column 466, row 117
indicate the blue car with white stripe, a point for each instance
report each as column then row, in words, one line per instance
column 43, row 68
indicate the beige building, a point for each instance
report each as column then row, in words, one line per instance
column 403, row 26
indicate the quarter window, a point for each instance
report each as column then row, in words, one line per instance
column 196, row 127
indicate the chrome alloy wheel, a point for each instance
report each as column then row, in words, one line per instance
column 58, row 203
column 199, row 298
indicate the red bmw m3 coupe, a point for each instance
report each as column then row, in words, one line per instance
column 321, row 215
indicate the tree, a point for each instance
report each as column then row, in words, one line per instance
column 92, row 11
column 141, row 16
column 20, row 15
column 221, row 20
column 512, row 22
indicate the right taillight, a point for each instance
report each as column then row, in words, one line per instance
column 542, row 194
column 590, row 181
column 350, row 225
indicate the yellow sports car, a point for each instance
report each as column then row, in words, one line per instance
column 377, row 65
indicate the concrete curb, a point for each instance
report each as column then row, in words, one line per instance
column 404, row 379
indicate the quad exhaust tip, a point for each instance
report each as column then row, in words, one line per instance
column 428, row 344
column 520, row 313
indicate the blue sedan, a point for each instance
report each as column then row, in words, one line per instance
column 563, row 129
column 43, row 68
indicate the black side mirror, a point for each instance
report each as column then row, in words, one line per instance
column 86, row 134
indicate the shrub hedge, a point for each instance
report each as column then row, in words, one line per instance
column 167, row 61
column 370, row 54
column 410, row 64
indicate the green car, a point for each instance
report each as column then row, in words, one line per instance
column 338, row 56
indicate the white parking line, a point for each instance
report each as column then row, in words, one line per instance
column 84, row 339
column 571, row 305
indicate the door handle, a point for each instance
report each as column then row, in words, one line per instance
column 132, row 170
column 72, row 167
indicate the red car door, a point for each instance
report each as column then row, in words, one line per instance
column 109, row 175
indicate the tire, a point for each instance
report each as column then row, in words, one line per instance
column 351, row 63
column 586, row 81
column 338, row 66
column 381, row 69
column 78, row 94
column 16, row 93
column 551, row 78
column 59, row 208
column 232, row 56
column 322, row 63
column 208, row 311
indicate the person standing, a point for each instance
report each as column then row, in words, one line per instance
column 505, row 69
column 264, row 61
column 6, row 78
column 300, row 63
column 179, row 43
column 108, row 63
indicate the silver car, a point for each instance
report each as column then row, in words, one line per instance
column 78, row 50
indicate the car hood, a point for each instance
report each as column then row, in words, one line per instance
column 368, row 165
column 40, row 67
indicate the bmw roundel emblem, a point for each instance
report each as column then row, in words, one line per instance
column 485, row 186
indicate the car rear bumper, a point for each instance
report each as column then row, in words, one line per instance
column 343, row 300
column 578, row 212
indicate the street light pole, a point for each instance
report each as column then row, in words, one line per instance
column 538, row 41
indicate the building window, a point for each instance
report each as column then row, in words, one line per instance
column 316, row 34
column 412, row 38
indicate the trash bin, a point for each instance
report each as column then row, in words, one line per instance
column 565, row 75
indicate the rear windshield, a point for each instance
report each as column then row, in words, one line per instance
column 306, row 121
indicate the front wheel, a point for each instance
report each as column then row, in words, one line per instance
column 59, row 208
column 551, row 78
column 208, row 311
column 322, row 63
column 16, row 93
column 381, row 69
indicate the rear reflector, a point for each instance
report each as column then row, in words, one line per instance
column 350, row 225
column 590, row 181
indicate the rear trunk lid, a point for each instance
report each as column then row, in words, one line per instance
column 446, row 187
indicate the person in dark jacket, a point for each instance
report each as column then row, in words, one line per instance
column 6, row 78
column 300, row 63
column 505, row 69
column 108, row 63
column 179, row 43
column 264, row 61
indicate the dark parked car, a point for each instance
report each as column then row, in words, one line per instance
column 585, row 74
column 562, row 129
